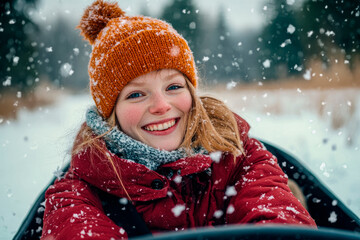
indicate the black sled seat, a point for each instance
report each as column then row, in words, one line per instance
column 334, row 219
column 327, row 210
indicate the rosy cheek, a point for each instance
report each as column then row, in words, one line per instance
column 129, row 117
column 186, row 102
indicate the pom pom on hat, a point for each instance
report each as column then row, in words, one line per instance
column 95, row 18
column 125, row 47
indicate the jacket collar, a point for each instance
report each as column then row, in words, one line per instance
column 95, row 168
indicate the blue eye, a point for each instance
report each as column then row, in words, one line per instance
column 134, row 95
column 174, row 87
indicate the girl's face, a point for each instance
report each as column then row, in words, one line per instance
column 153, row 108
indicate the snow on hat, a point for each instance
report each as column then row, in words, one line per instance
column 125, row 47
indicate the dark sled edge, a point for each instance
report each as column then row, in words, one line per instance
column 255, row 232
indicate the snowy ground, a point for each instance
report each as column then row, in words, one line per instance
column 322, row 129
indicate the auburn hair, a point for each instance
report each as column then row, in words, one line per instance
column 210, row 124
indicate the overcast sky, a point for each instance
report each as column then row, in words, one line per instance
column 241, row 14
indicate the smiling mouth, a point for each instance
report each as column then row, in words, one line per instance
column 161, row 126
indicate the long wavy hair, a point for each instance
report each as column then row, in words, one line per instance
column 210, row 124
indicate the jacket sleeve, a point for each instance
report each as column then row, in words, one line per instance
column 73, row 211
column 260, row 193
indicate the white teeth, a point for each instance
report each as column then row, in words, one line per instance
column 160, row 127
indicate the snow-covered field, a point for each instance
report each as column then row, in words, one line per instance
column 321, row 128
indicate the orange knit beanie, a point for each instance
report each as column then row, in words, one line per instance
column 125, row 47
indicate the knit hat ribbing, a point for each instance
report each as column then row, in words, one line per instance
column 127, row 47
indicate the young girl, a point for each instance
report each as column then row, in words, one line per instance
column 181, row 160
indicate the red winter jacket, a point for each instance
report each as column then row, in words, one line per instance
column 252, row 190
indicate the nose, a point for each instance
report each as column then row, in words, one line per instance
column 159, row 104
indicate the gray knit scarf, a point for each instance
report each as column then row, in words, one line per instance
column 128, row 148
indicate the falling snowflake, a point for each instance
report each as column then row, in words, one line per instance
column 16, row 60
column 333, row 217
column 230, row 85
column 215, row 156
column 192, row 25
column 218, row 213
column 76, row 51
column 205, row 59
column 177, row 179
column 307, row 75
column 291, row 29
column 123, row 201
column 267, row 63
column 230, row 209
column 329, row 33
column 230, row 191
column 66, row 70
column 177, row 210
column 287, row 42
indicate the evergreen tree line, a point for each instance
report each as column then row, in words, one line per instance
column 292, row 37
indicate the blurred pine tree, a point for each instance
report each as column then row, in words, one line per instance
column 18, row 51
column 281, row 52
